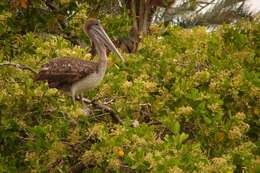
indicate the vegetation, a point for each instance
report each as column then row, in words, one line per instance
column 195, row 95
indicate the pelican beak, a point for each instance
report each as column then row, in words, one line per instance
column 104, row 37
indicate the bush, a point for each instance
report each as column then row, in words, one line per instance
column 195, row 94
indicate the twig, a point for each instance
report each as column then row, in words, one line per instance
column 154, row 123
column 206, row 5
column 108, row 102
column 145, row 104
column 104, row 108
column 126, row 166
column 120, row 4
column 57, row 162
column 100, row 115
column 11, row 82
column 19, row 66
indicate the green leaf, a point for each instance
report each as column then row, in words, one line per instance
column 183, row 137
column 207, row 120
column 175, row 127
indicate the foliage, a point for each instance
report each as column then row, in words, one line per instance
column 208, row 13
column 195, row 94
column 59, row 17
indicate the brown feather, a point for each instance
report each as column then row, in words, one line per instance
column 77, row 75
column 61, row 73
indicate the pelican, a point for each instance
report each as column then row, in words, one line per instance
column 76, row 75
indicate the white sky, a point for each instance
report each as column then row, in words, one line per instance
column 254, row 5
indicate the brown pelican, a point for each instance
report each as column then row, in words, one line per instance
column 77, row 75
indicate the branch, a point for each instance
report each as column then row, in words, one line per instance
column 207, row 4
column 104, row 108
column 20, row 67
column 120, row 3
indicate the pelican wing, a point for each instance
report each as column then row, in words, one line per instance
column 61, row 73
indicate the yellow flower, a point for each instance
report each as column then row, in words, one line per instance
column 29, row 156
column 240, row 115
column 234, row 133
column 219, row 160
column 87, row 56
column 113, row 163
column 155, row 29
column 185, row 110
column 214, row 107
column 150, row 86
column 121, row 153
column 126, row 85
column 78, row 112
column 243, row 126
column 175, row 169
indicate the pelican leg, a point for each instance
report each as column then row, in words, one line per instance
column 73, row 95
column 81, row 98
column 73, row 99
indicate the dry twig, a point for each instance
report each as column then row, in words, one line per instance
column 105, row 108
column 22, row 67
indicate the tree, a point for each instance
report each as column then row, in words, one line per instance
column 190, row 101
column 206, row 13
column 127, row 19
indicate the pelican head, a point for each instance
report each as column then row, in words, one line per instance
column 95, row 31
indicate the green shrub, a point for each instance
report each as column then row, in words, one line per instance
column 195, row 94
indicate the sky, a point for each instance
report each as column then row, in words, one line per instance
column 254, row 5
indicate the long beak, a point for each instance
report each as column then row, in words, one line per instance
column 101, row 32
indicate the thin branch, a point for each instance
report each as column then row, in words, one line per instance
column 105, row 108
column 120, row 3
column 126, row 166
column 206, row 5
column 108, row 102
column 22, row 67
column 57, row 162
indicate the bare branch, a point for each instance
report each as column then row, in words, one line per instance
column 105, row 108
column 206, row 5
column 22, row 67
column 120, row 3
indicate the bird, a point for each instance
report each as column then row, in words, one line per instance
column 75, row 75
